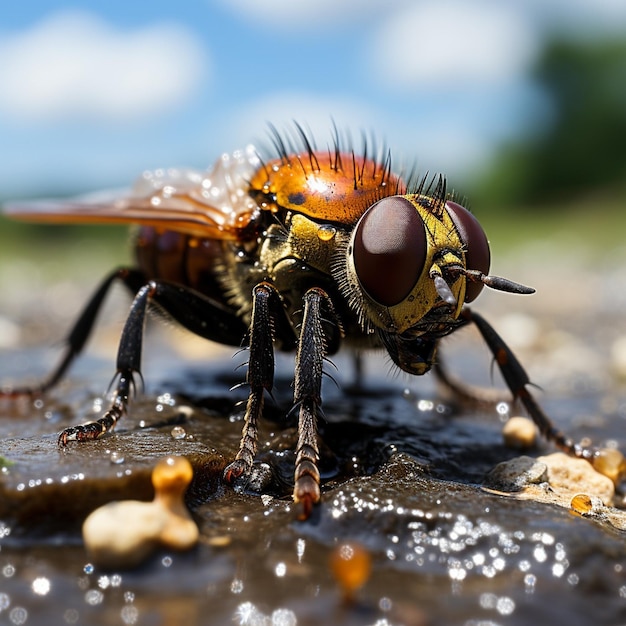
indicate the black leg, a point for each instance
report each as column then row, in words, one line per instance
column 307, row 397
column 128, row 365
column 81, row 330
column 517, row 380
column 194, row 311
column 469, row 395
column 266, row 307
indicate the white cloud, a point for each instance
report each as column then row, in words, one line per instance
column 75, row 64
column 452, row 44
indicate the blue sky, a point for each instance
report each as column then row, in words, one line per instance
column 92, row 93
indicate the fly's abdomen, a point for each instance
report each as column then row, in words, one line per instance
column 173, row 257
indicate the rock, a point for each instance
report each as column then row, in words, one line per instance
column 570, row 476
column 122, row 534
column 516, row 475
column 561, row 480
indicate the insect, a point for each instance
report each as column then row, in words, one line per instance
column 304, row 252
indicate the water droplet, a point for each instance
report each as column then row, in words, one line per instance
column 326, row 232
column 178, row 432
column 117, row 458
column 530, row 580
column 247, row 613
column 18, row 615
column 116, row 580
column 41, row 586
column 505, row 605
column 129, row 614
column 283, row 617
column 8, row 570
column 166, row 398
column 300, row 548
column 503, row 409
column 94, row 597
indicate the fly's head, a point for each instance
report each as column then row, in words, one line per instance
column 413, row 262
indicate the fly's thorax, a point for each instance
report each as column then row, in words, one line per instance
column 296, row 255
column 324, row 185
column 307, row 241
column 392, row 259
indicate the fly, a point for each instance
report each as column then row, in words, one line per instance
column 304, row 252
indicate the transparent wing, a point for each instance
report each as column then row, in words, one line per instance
column 212, row 204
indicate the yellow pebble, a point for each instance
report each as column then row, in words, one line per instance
column 519, row 433
column 122, row 534
column 611, row 463
column 584, row 504
column 351, row 565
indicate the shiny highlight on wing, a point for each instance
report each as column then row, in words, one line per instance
column 210, row 204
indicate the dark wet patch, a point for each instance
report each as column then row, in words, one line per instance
column 401, row 476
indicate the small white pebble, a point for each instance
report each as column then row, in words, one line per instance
column 519, row 433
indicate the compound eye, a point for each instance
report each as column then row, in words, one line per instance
column 389, row 250
column 477, row 253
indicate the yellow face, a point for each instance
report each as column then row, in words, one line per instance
column 395, row 257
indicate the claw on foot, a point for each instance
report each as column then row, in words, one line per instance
column 91, row 430
column 86, row 432
column 235, row 470
column 306, row 495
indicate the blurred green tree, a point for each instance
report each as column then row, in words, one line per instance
column 580, row 147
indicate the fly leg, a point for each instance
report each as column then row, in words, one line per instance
column 312, row 348
column 128, row 365
column 80, row 332
column 469, row 395
column 517, row 380
column 260, row 376
column 194, row 311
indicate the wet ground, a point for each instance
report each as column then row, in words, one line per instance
column 403, row 470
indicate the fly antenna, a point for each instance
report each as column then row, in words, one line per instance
column 496, row 282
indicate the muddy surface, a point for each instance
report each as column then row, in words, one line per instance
column 403, row 469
